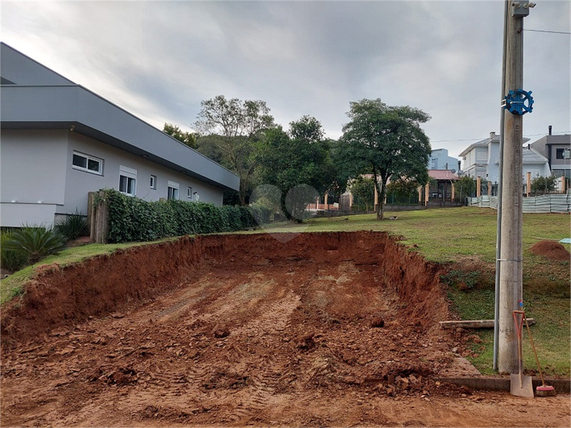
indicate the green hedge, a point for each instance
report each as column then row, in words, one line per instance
column 133, row 219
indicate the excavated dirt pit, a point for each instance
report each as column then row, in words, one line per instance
column 330, row 329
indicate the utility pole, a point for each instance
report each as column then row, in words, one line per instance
column 516, row 103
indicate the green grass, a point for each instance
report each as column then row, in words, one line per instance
column 447, row 236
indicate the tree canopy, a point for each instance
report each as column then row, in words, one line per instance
column 385, row 141
column 230, row 129
column 297, row 162
column 184, row 137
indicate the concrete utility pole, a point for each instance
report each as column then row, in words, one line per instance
column 511, row 273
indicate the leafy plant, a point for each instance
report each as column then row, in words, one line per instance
column 74, row 226
column 133, row 219
column 543, row 185
column 11, row 260
column 35, row 243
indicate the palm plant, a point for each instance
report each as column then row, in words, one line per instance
column 10, row 260
column 35, row 243
column 73, row 226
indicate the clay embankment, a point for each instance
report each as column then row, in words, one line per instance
column 110, row 283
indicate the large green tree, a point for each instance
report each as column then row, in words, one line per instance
column 233, row 127
column 298, row 163
column 385, row 141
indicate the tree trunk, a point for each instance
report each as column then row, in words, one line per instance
column 380, row 186
column 242, row 193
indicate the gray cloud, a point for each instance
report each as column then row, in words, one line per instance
column 160, row 59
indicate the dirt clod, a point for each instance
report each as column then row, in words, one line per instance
column 550, row 249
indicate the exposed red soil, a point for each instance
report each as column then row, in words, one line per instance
column 550, row 249
column 330, row 329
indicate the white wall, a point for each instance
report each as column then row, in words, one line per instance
column 37, row 178
column 79, row 183
column 32, row 175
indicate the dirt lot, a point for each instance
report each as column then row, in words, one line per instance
column 331, row 329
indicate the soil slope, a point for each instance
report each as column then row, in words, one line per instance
column 330, row 329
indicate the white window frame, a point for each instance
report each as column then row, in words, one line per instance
column 175, row 190
column 153, row 182
column 87, row 159
column 131, row 175
column 189, row 192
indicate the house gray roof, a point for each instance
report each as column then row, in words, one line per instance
column 493, row 138
column 33, row 96
column 531, row 156
column 482, row 143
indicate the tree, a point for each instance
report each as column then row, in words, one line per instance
column 237, row 125
column 308, row 129
column 363, row 191
column 387, row 142
column 184, row 137
column 543, row 185
column 402, row 191
column 298, row 163
column 465, row 187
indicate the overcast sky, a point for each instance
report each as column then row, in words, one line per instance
column 160, row 59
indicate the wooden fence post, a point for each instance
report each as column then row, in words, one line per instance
column 99, row 225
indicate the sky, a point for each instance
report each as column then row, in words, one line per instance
column 160, row 59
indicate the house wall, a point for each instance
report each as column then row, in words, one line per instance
column 493, row 169
column 439, row 159
column 475, row 162
column 79, row 183
column 48, row 183
column 548, row 146
column 32, row 174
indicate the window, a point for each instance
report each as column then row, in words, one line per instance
column 153, row 182
column 189, row 192
column 481, row 155
column 562, row 153
column 127, row 180
column 172, row 190
column 87, row 163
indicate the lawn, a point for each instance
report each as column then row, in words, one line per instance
column 463, row 239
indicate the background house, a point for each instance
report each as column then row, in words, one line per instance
column 439, row 160
column 61, row 141
column 482, row 159
column 557, row 150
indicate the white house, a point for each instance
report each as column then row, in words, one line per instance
column 482, row 159
column 60, row 141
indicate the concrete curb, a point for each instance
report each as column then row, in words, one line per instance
column 562, row 386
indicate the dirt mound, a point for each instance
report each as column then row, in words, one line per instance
column 550, row 249
column 329, row 329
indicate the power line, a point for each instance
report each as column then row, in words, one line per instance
column 479, row 139
column 547, row 31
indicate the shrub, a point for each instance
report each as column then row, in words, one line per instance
column 133, row 219
column 74, row 226
column 35, row 243
column 11, row 260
